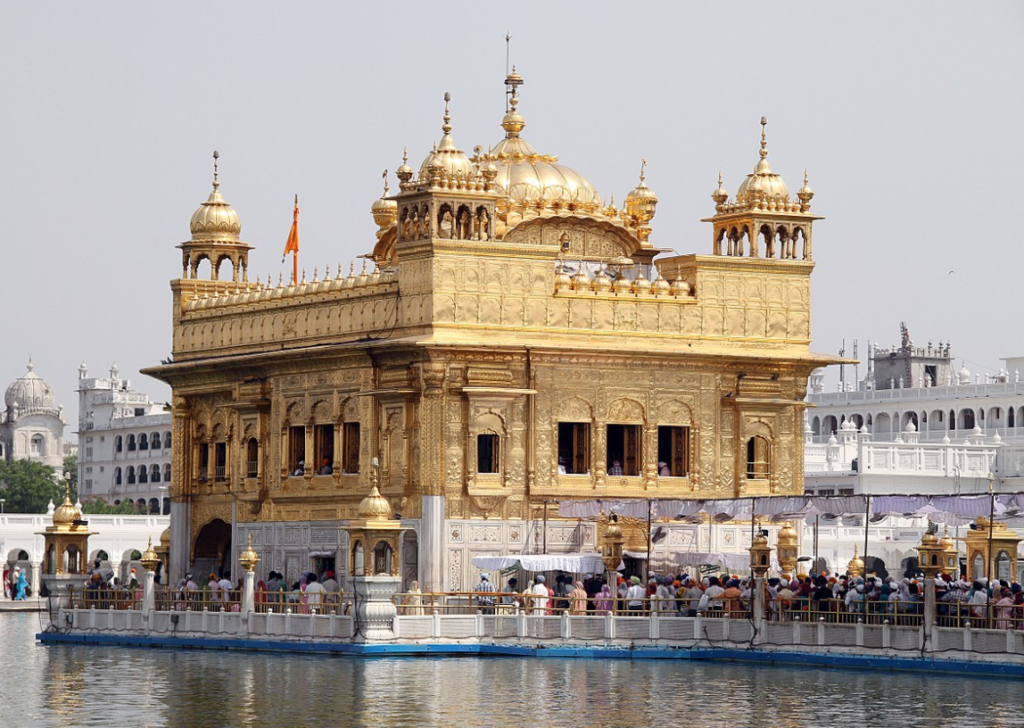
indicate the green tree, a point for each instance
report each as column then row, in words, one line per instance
column 28, row 487
column 100, row 506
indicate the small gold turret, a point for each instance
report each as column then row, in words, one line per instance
column 385, row 210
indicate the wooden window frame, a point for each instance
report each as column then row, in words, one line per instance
column 674, row 449
column 577, row 447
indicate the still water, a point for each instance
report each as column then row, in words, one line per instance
column 127, row 687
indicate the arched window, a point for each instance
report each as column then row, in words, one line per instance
column 1010, row 418
column 118, row 444
column 167, row 472
column 487, row 453
column 167, row 439
column 252, row 455
column 141, row 505
column 143, row 474
column 967, row 419
column 37, row 446
column 758, row 458
column 143, row 441
column 154, row 506
column 131, row 443
column 131, row 475
column 952, row 420
column 154, row 473
column 382, row 555
column 154, row 441
column 167, row 507
column 117, row 476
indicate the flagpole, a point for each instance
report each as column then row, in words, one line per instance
column 295, row 253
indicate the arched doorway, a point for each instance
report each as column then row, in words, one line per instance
column 211, row 552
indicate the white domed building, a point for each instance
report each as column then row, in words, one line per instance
column 32, row 424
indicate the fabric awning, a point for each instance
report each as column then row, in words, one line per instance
column 590, row 563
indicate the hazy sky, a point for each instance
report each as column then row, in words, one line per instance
column 907, row 115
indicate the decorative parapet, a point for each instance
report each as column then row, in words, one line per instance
column 263, row 296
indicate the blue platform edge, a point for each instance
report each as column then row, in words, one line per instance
column 808, row 659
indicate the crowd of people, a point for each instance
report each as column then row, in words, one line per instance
column 998, row 604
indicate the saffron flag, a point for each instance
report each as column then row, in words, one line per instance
column 292, row 246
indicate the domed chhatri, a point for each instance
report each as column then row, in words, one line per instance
column 29, row 392
column 215, row 229
column 215, row 219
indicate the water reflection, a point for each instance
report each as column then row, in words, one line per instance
column 47, row 687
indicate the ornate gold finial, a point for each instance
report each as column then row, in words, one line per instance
column 385, row 175
column 216, row 156
column 764, row 137
column 643, row 169
column 447, row 126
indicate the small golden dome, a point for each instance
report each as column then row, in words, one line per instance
column 580, row 281
column 720, row 196
column 66, row 514
column 404, row 173
column 446, row 159
column 661, row 287
column 602, row 283
column 787, row 535
column 805, row 193
column 384, row 209
column 759, row 540
column 149, row 558
column 946, row 542
column 680, row 287
column 562, row 280
column 612, row 531
column 641, row 285
column 375, row 507
column 641, row 201
column 165, row 537
column 248, row 558
column 762, row 183
column 215, row 219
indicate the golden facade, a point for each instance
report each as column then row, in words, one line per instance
column 518, row 340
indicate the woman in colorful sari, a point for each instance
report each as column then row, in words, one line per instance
column 578, row 600
column 603, row 604
column 22, row 587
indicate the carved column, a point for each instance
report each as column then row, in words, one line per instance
column 600, row 454
column 432, row 477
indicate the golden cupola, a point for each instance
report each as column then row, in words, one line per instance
column 640, row 205
column 215, row 220
column 762, row 184
column 65, row 515
column 532, row 180
column 384, row 210
column 446, row 159
column 215, row 229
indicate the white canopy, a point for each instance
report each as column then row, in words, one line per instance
column 574, row 563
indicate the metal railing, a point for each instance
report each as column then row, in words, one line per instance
column 299, row 602
column 455, row 603
column 105, row 597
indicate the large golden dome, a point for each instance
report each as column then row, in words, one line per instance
column 215, row 219
column 530, row 179
column 762, row 183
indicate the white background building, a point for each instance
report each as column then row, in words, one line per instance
column 32, row 424
column 124, row 443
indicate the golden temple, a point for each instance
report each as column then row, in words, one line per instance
column 518, row 341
